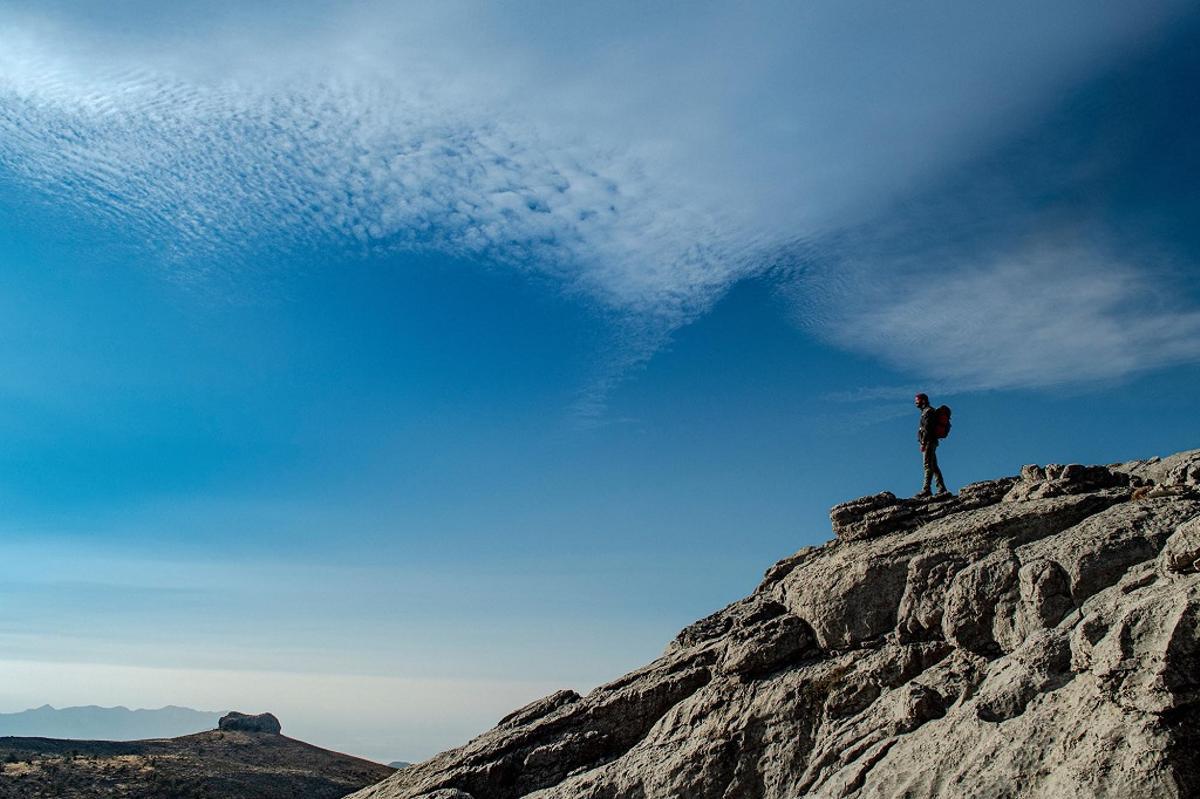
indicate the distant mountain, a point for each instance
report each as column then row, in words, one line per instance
column 107, row 723
column 399, row 764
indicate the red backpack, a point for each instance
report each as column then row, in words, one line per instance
column 941, row 422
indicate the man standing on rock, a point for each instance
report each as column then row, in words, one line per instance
column 927, row 437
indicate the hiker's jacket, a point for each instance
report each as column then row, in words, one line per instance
column 925, row 435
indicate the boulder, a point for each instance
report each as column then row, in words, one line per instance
column 919, row 616
column 869, row 516
column 244, row 722
column 980, row 602
column 538, row 708
column 767, row 646
column 1041, row 663
column 1181, row 553
column 1045, row 596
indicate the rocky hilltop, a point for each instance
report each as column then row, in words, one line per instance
column 246, row 758
column 1034, row 636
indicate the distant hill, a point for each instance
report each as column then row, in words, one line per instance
column 399, row 764
column 107, row 723
column 218, row 764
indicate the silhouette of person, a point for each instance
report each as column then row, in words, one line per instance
column 927, row 438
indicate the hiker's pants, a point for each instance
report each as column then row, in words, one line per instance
column 929, row 456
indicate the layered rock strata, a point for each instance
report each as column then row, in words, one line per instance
column 1035, row 636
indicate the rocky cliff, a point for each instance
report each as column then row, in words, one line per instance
column 1035, row 636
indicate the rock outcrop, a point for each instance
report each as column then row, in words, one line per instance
column 244, row 722
column 1035, row 636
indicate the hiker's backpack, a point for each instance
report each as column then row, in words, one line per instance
column 941, row 422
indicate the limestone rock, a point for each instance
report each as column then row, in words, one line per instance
column 1180, row 469
column 1041, row 663
column 883, row 513
column 768, row 646
column 981, row 598
column 1181, row 554
column 1045, row 596
column 1034, row 636
column 864, row 517
column 243, row 722
column 1057, row 480
column 919, row 616
column 538, row 708
column 1103, row 547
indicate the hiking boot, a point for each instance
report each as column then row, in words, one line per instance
column 924, row 494
column 943, row 492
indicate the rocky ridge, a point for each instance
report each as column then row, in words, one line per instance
column 1033, row 636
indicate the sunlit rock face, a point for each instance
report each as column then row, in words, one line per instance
column 1035, row 636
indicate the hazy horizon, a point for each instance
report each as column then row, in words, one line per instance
column 387, row 367
column 119, row 723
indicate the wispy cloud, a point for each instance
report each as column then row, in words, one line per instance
column 1036, row 317
column 1064, row 256
column 198, row 169
column 645, row 165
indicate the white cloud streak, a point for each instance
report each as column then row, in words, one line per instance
column 1037, row 317
column 644, row 164
column 201, row 169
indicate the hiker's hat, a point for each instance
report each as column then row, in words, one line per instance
column 921, row 397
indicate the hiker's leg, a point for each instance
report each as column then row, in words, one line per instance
column 929, row 460
column 937, row 472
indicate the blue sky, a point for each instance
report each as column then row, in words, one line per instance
column 387, row 366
